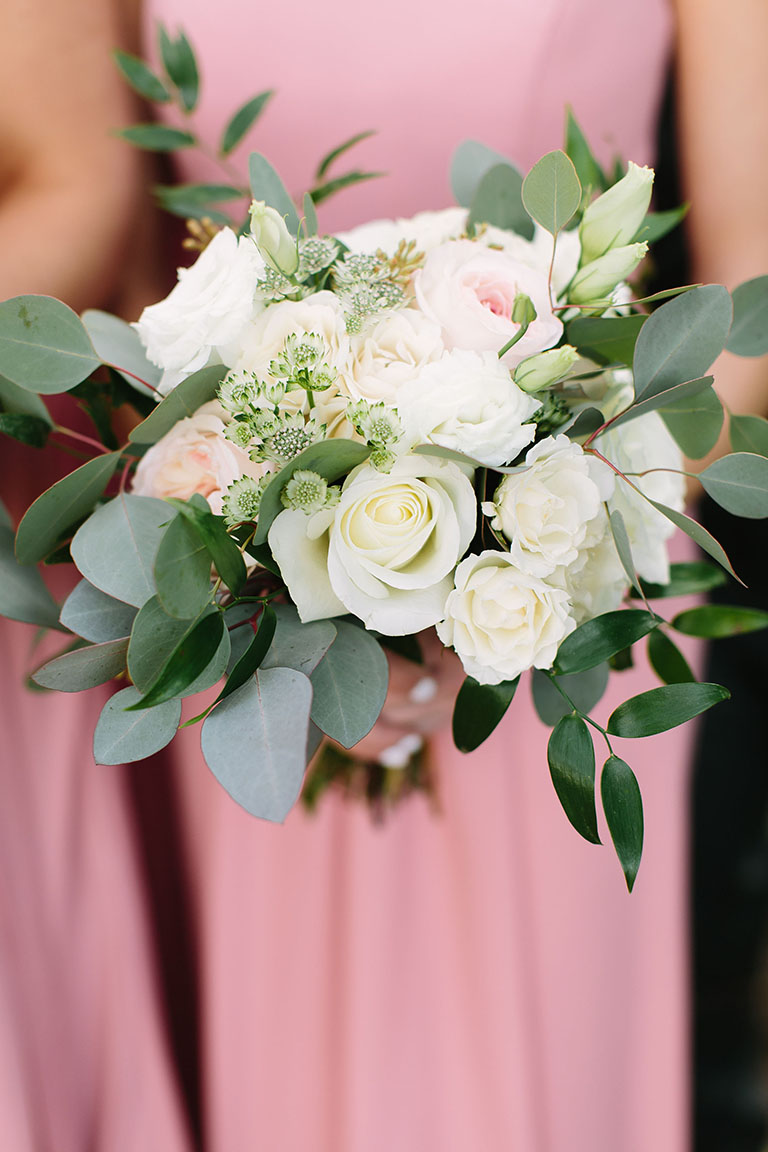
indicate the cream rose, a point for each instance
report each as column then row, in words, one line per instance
column 206, row 313
column 467, row 401
column 470, row 290
column 390, row 550
column 502, row 621
column 546, row 507
column 636, row 447
column 426, row 229
column 390, row 353
column 195, row 456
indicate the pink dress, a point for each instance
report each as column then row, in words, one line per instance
column 473, row 980
column 478, row 979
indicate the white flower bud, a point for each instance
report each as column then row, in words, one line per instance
column 600, row 277
column 272, row 238
column 613, row 219
column 546, row 368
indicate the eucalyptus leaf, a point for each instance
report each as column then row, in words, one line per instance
column 23, row 594
column 350, row 685
column 182, row 570
column 141, row 78
column 296, row 645
column 712, row 621
column 30, row 430
column 20, row 400
column 157, row 137
column 498, row 201
column 697, row 533
column 61, row 506
column 118, row 344
column 243, row 120
column 195, row 201
column 122, row 736
column 571, row 757
column 329, row 188
column 738, row 483
column 479, row 708
column 266, row 185
column 589, row 172
column 623, row 808
column 251, row 750
column 598, row 639
column 692, row 578
column 156, row 637
column 338, row 151
column 551, row 191
column 695, row 421
column 84, row 667
column 682, row 339
column 199, row 650
column 667, row 660
column 222, row 549
column 310, row 216
column 330, row 458
column 680, row 394
column 605, row 339
column 749, row 434
column 180, row 64
column 115, row 548
column 663, row 708
column 749, row 331
column 43, row 345
column 183, row 401
column 659, row 224
column 90, row 613
column 583, row 689
column 623, row 547
column 469, row 163
column 584, row 424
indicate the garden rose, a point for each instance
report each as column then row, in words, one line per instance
column 195, row 456
column 470, row 290
column 545, row 508
column 392, row 544
column 467, row 401
column 502, row 621
column 206, row 312
column 390, row 353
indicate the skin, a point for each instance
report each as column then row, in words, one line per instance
column 62, row 173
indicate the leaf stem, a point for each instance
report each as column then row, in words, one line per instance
column 583, row 715
column 84, row 439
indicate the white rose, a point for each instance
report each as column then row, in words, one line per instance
column 502, row 621
column 596, row 581
column 468, row 401
column 205, row 314
column 390, row 353
column 470, row 291
column 391, row 549
column 195, row 456
column 427, row 229
column 634, row 447
column 537, row 252
column 546, row 508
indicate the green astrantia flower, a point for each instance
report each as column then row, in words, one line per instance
column 309, row 492
column 292, row 434
column 238, row 391
column 243, row 499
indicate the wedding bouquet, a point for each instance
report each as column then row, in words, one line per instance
column 461, row 421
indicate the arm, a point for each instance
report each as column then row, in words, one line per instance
column 723, row 111
column 69, row 189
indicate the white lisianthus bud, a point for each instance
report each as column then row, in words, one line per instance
column 600, row 277
column 546, row 368
column 613, row 219
column 272, row 238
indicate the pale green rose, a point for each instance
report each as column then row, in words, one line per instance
column 612, row 220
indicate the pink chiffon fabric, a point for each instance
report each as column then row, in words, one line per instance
column 475, row 978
